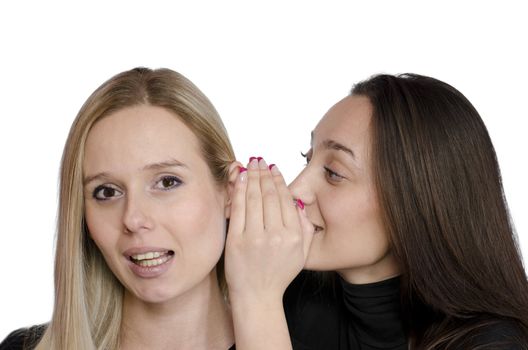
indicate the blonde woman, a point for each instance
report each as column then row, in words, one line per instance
column 144, row 198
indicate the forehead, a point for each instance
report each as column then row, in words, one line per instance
column 347, row 121
column 137, row 136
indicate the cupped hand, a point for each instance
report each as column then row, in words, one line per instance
column 269, row 235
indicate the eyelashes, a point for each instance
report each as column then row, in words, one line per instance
column 107, row 191
column 332, row 175
column 307, row 156
column 167, row 183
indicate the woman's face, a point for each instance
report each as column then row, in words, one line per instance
column 338, row 190
column 152, row 206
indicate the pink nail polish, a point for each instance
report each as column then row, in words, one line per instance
column 259, row 158
column 241, row 169
column 300, row 203
column 251, row 158
column 271, row 166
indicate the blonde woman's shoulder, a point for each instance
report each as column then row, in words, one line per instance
column 23, row 338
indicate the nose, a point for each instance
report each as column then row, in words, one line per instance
column 301, row 187
column 136, row 218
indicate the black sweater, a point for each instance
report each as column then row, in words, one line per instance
column 347, row 316
column 23, row 338
column 368, row 317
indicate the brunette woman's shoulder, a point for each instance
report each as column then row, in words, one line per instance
column 23, row 338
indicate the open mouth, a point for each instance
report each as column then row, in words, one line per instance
column 150, row 259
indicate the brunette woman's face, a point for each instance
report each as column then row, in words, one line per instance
column 151, row 204
column 337, row 188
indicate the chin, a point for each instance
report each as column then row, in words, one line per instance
column 328, row 263
column 315, row 264
column 154, row 295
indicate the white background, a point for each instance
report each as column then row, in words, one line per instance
column 271, row 68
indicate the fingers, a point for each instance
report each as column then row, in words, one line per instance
column 237, row 220
column 287, row 204
column 254, row 212
column 269, row 235
column 293, row 213
column 270, row 205
column 270, row 198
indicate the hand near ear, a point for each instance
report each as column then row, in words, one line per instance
column 267, row 243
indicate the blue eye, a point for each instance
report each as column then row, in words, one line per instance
column 104, row 193
column 167, row 183
column 332, row 175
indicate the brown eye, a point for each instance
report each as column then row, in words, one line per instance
column 332, row 175
column 104, row 193
column 168, row 182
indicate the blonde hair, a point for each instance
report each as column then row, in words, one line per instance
column 88, row 297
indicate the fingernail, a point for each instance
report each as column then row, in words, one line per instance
column 274, row 169
column 241, row 169
column 300, row 203
column 262, row 163
column 253, row 163
column 271, row 166
column 243, row 175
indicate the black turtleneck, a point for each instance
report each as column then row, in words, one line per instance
column 341, row 315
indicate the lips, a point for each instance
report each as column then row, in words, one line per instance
column 149, row 262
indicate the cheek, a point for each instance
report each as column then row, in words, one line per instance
column 103, row 227
column 354, row 224
column 199, row 223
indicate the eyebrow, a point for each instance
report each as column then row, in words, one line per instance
column 334, row 145
column 331, row 144
column 166, row 164
column 153, row 166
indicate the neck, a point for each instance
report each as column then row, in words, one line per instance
column 382, row 269
column 198, row 319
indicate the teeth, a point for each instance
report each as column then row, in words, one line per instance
column 153, row 262
column 149, row 255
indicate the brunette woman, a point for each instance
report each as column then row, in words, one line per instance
column 410, row 226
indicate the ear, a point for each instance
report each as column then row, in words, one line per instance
column 233, row 174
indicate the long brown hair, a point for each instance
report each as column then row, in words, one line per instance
column 443, row 206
